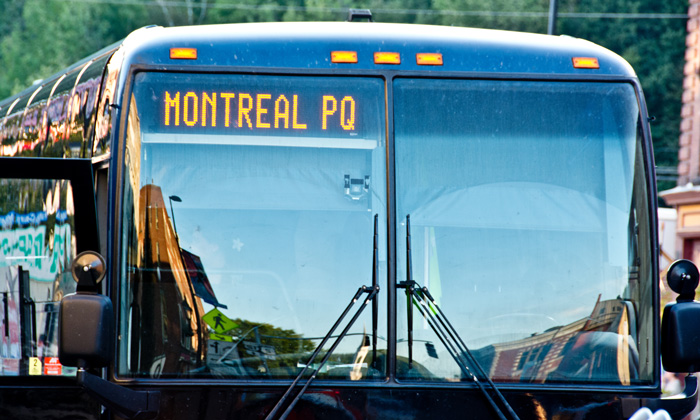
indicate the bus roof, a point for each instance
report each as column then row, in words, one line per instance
column 291, row 46
column 308, row 45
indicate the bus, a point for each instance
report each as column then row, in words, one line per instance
column 336, row 220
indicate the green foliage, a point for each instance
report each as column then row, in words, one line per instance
column 44, row 39
column 284, row 341
column 39, row 37
column 512, row 15
column 10, row 17
column 289, row 346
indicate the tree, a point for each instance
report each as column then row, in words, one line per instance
column 512, row 15
column 44, row 39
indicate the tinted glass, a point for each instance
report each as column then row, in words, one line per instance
column 530, row 227
column 248, row 224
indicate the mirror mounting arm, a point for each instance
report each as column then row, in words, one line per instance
column 676, row 407
column 134, row 405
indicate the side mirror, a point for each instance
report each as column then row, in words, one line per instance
column 680, row 329
column 86, row 318
column 85, row 341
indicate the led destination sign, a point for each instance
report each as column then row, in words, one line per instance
column 250, row 105
column 258, row 111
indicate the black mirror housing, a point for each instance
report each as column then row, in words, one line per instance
column 680, row 337
column 85, row 330
column 680, row 326
column 85, row 341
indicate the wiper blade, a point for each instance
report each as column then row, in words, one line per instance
column 371, row 296
column 375, row 286
column 445, row 331
column 409, row 285
column 458, row 350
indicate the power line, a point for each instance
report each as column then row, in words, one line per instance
column 475, row 13
column 624, row 15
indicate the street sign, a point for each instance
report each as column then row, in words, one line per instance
column 52, row 366
column 221, row 337
column 218, row 321
column 221, row 351
column 35, row 366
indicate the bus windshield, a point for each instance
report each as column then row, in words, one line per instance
column 247, row 225
column 529, row 225
column 249, row 211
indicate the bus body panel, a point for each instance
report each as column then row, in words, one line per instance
column 199, row 403
column 47, row 402
column 308, row 46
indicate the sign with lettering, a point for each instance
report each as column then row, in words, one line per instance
column 35, row 367
column 29, row 246
column 261, row 105
column 259, row 111
column 52, row 366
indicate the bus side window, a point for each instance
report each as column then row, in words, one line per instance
column 37, row 247
column 102, row 130
column 102, row 204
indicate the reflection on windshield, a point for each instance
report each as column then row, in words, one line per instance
column 528, row 213
column 168, row 314
column 598, row 347
column 240, row 248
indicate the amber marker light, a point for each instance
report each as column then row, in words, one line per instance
column 387, row 58
column 429, row 59
column 183, row 53
column 585, row 63
column 343, row 56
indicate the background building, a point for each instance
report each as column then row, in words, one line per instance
column 685, row 198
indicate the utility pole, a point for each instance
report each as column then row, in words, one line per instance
column 552, row 27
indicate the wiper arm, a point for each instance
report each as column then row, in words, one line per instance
column 375, row 286
column 441, row 326
column 409, row 290
column 458, row 350
column 371, row 295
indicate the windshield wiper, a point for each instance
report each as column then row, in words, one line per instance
column 441, row 326
column 371, row 295
column 375, row 286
